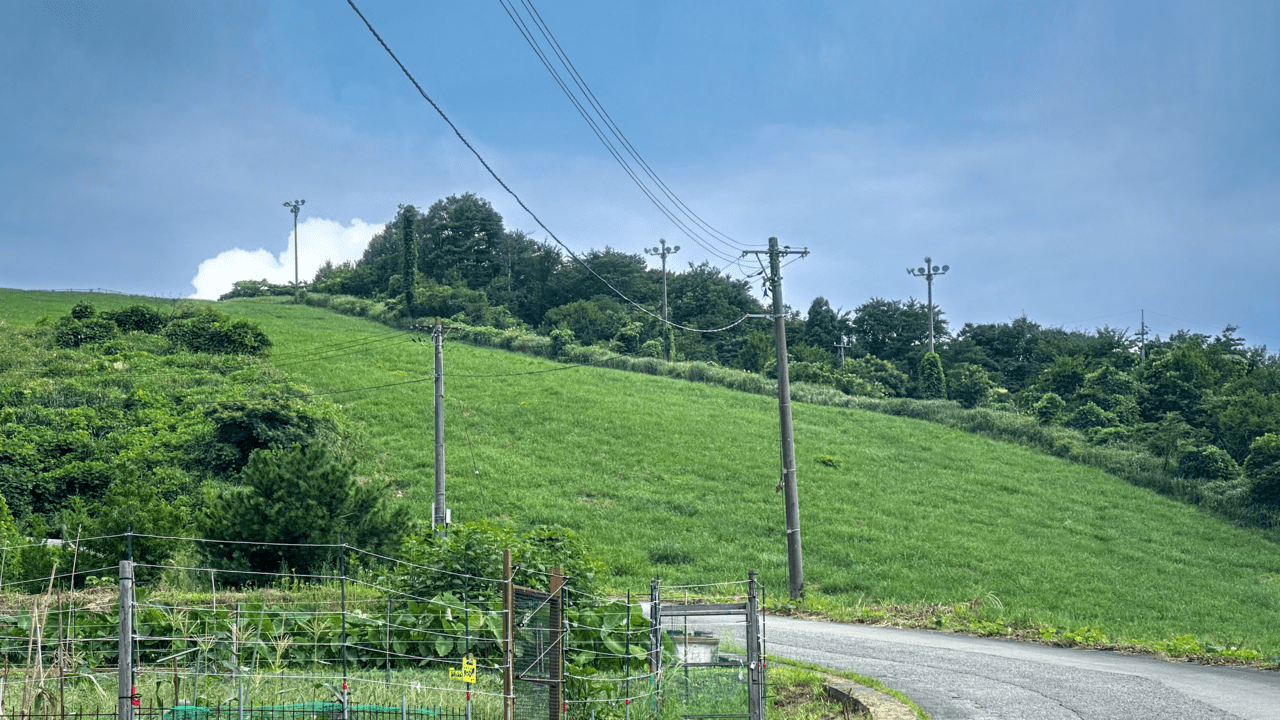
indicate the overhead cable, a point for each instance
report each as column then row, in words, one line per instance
column 516, row 197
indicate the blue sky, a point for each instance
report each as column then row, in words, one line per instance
column 1077, row 161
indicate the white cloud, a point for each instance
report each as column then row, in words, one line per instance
column 320, row 240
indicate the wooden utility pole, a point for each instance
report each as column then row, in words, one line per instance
column 795, row 561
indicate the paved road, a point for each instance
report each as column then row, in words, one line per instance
column 956, row 677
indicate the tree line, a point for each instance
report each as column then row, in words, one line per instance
column 1208, row 405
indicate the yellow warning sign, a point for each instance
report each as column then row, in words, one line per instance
column 468, row 672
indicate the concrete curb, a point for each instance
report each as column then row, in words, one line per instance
column 866, row 700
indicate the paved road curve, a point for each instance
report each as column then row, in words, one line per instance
column 956, row 677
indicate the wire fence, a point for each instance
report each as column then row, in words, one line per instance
column 204, row 643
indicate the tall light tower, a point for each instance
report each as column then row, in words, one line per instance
column 664, row 251
column 928, row 272
column 294, row 207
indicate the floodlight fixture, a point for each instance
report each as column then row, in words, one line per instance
column 295, row 207
column 928, row 272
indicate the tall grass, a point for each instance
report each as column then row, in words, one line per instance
column 1130, row 463
column 676, row 479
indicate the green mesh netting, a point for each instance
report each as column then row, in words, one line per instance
column 295, row 711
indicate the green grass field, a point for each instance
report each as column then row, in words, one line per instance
column 677, row 479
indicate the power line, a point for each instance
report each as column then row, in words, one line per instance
column 513, row 194
column 520, row 25
column 608, row 121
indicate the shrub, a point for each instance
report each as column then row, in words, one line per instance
column 969, row 385
column 241, row 427
column 1262, row 468
column 72, row 332
column 136, row 318
column 205, row 330
column 1089, row 416
column 1049, row 408
column 475, row 549
column 1207, row 463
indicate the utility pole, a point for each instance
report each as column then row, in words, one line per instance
column 664, row 251
column 295, row 207
column 125, row 683
column 439, row 514
column 795, row 561
column 1142, row 344
column 928, row 272
column 843, row 345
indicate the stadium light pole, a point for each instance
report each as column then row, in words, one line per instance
column 295, row 207
column 664, row 251
column 928, row 272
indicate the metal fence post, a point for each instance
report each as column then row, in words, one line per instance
column 655, row 643
column 755, row 662
column 508, row 631
column 125, row 642
column 556, row 693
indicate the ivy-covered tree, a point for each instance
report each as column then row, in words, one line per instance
column 409, row 271
column 930, row 381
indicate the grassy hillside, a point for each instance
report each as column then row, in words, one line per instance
column 677, row 479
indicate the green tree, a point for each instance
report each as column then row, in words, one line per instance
column 969, row 384
column 297, row 496
column 462, row 238
column 932, row 383
column 1090, row 416
column 872, row 369
column 824, row 327
column 1262, row 468
column 893, row 329
column 756, row 352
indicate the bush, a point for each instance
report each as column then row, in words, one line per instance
column 72, row 332
column 205, row 330
column 1262, row 468
column 969, row 384
column 1049, row 408
column 475, row 549
column 241, row 427
column 83, row 310
column 881, row 372
column 1207, row 463
column 136, row 318
column 1089, row 416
